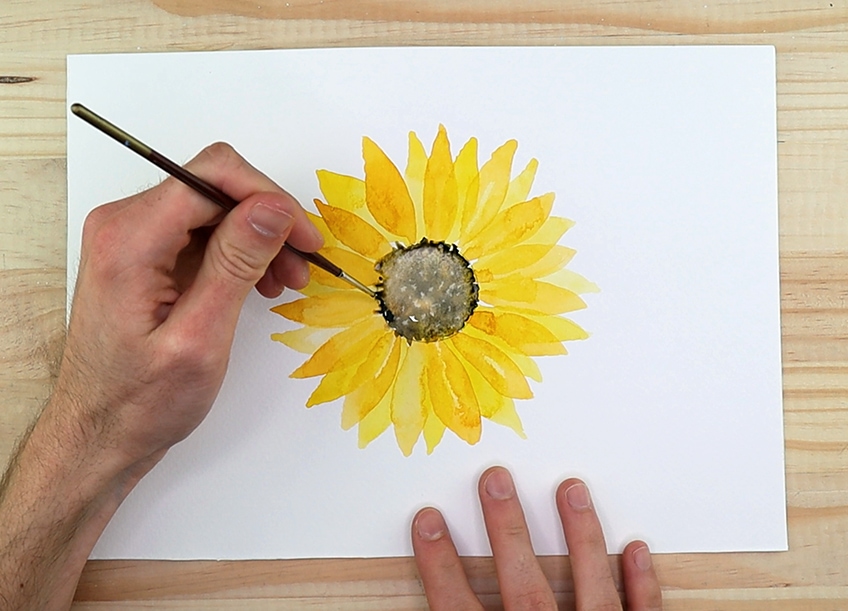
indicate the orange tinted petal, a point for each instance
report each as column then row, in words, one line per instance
column 440, row 190
column 493, row 405
column 494, row 181
column 532, row 295
column 451, row 393
column 356, row 265
column 495, row 366
column 345, row 349
column 511, row 227
column 353, row 232
column 416, row 165
column 335, row 309
column 467, row 186
column 365, row 398
column 329, row 238
column 386, row 194
column 519, row 332
column 358, row 371
column 531, row 260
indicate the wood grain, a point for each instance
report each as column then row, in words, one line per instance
column 811, row 39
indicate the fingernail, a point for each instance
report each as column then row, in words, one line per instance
column 499, row 485
column 269, row 221
column 642, row 558
column 577, row 496
column 430, row 525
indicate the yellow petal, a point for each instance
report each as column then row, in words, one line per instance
column 385, row 192
column 520, row 186
column 341, row 191
column 507, row 416
column 493, row 405
column 572, row 281
column 513, row 226
column 526, row 365
column 345, row 349
column 498, row 369
column 562, row 328
column 376, row 421
column 329, row 238
column 532, row 295
column 356, row 371
column 332, row 386
column 416, row 165
column 553, row 229
column 556, row 258
column 353, row 232
column 532, row 260
column 336, row 309
column 454, row 401
column 519, row 332
column 494, row 181
column 434, row 430
column 306, row 339
column 408, row 406
column 467, row 185
column 356, row 265
column 360, row 402
column 316, row 288
column 440, row 190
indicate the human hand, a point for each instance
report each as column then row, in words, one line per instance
column 160, row 287
column 522, row 583
column 162, row 279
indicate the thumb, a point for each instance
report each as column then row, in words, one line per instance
column 237, row 256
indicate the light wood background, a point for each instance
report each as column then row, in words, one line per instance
column 812, row 54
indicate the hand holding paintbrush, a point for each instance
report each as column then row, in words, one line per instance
column 214, row 194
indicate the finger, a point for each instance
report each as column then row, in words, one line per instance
column 442, row 574
column 641, row 586
column 237, row 255
column 593, row 584
column 286, row 270
column 171, row 210
column 522, row 582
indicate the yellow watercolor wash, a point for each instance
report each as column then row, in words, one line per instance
column 488, row 238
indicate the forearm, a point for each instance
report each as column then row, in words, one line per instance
column 57, row 497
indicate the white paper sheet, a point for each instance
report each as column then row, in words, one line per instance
column 665, row 157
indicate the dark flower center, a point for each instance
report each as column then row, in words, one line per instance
column 427, row 291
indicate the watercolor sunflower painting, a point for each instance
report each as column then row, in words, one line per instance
column 470, row 285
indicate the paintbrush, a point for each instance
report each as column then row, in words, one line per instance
column 201, row 186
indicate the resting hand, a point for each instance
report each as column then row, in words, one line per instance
column 522, row 582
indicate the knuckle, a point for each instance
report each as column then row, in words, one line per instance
column 514, row 531
column 103, row 240
column 221, row 154
column 534, row 599
column 186, row 352
column 233, row 261
column 95, row 220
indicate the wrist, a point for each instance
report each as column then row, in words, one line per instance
column 57, row 498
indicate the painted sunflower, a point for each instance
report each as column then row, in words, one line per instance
column 470, row 284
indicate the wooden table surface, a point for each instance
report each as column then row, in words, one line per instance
column 811, row 38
